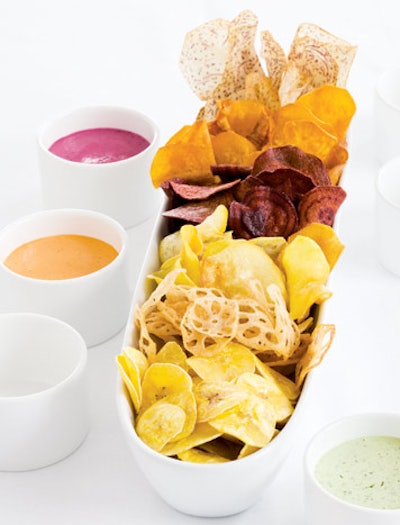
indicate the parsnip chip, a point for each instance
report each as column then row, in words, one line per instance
column 227, row 363
column 160, row 423
column 251, row 421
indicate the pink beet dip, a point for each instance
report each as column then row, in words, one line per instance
column 99, row 145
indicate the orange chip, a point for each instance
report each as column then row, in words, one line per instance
column 188, row 155
column 248, row 118
column 331, row 104
column 231, row 148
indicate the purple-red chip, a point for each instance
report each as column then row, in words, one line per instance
column 229, row 172
column 191, row 192
column 292, row 157
column 196, row 211
column 263, row 212
column 320, row 205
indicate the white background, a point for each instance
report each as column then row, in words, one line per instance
column 58, row 55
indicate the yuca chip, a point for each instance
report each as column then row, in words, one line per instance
column 321, row 340
column 160, row 423
column 327, row 239
column 202, row 433
column 271, row 245
column 227, row 363
column 201, row 456
column 320, row 205
column 232, row 265
column 251, row 421
column 307, row 271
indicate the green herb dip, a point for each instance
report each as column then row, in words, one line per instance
column 364, row 471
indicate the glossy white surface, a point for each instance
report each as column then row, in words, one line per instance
column 56, row 56
column 323, row 507
column 387, row 114
column 95, row 304
column 121, row 190
column 43, row 394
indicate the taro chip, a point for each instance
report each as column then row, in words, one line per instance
column 274, row 56
column 320, row 205
column 216, row 58
column 261, row 88
column 317, row 56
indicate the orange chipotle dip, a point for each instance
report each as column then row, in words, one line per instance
column 60, row 257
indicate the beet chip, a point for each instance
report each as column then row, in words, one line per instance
column 190, row 192
column 294, row 158
column 291, row 182
column 264, row 212
column 196, row 211
column 320, row 205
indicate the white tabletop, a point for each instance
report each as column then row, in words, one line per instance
column 58, row 55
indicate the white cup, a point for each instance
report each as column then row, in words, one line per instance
column 43, row 391
column 96, row 304
column 387, row 115
column 321, row 506
column 121, row 189
column 388, row 215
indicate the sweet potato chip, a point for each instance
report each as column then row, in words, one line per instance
column 188, row 154
column 231, row 148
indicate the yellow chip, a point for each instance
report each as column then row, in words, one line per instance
column 162, row 380
column 287, row 386
column 267, row 388
column 202, row 433
column 214, row 398
column 227, row 363
column 130, row 376
column 251, row 421
column 200, row 456
column 171, row 352
column 160, row 423
column 307, row 271
column 137, row 357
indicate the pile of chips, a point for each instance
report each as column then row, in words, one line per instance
column 229, row 331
